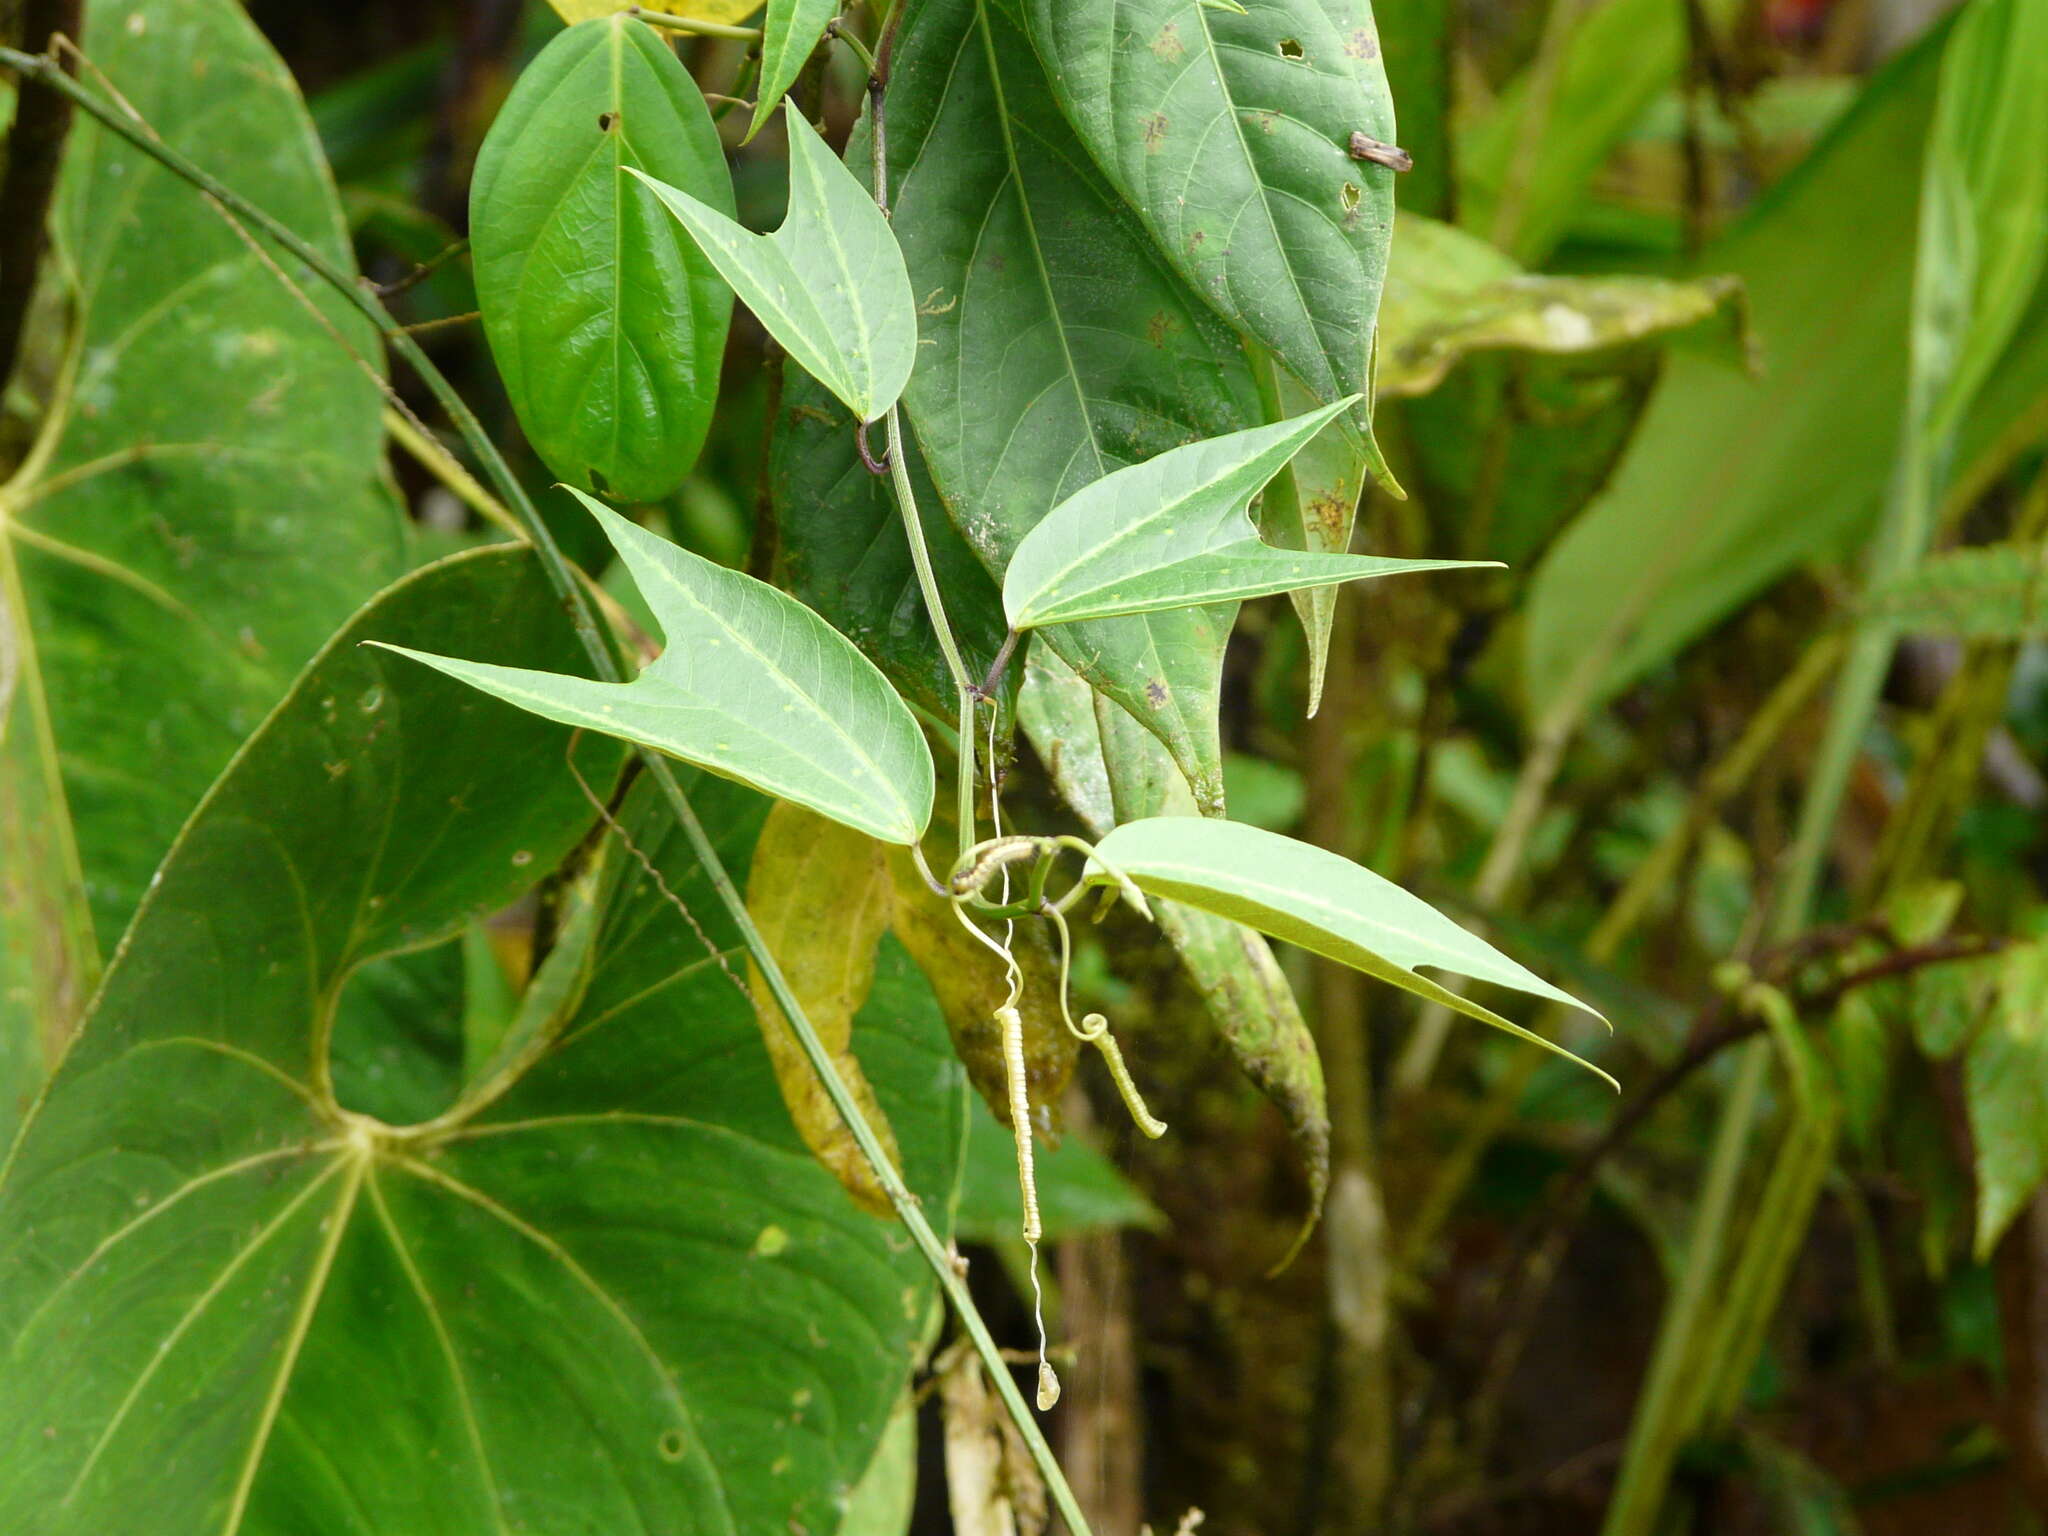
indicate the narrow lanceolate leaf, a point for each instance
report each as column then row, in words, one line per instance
column 610, row 1292
column 829, row 284
column 750, row 684
column 820, row 896
column 205, row 504
column 1175, row 531
column 607, row 325
column 1231, row 132
column 1324, row 903
column 1991, row 592
column 790, row 31
column 1057, row 343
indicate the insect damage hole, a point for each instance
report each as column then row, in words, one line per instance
column 671, row 1445
column 607, row 121
column 1348, row 196
column 1290, row 48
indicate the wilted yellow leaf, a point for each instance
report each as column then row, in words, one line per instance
column 820, row 894
column 725, row 12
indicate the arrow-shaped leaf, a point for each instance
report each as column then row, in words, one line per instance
column 751, row 685
column 830, row 284
column 1175, row 531
column 1324, row 903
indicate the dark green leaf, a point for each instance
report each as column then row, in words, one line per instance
column 619, row 1295
column 206, row 502
column 841, row 551
column 1057, row 344
column 1175, row 531
column 750, row 684
column 607, row 323
column 829, row 284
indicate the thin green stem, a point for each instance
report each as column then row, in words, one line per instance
column 837, row 28
column 562, row 579
column 693, row 25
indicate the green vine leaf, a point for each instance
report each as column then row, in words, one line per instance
column 1230, row 132
column 750, row 684
column 790, row 32
column 1058, row 343
column 205, row 503
column 607, row 327
column 1324, row 903
column 1176, row 530
column 611, row 1290
column 829, row 285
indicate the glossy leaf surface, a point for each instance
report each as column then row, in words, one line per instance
column 1058, row 344
column 607, row 325
column 829, row 284
column 610, row 1290
column 1174, row 531
column 751, row 684
column 1324, row 903
column 206, row 502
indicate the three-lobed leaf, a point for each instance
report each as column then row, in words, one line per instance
column 829, row 285
column 607, row 326
column 750, row 684
column 1176, row 531
column 1324, row 903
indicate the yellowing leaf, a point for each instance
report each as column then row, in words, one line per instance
column 725, row 12
column 819, row 893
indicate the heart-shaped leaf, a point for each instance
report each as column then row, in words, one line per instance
column 829, row 285
column 608, row 1290
column 790, row 32
column 751, row 684
column 606, row 324
column 1324, row 903
column 1176, row 531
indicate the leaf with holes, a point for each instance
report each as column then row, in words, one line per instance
column 1058, row 344
column 607, row 325
column 829, row 284
column 751, row 684
column 609, row 1290
column 206, row 503
column 1324, row 903
column 1174, row 531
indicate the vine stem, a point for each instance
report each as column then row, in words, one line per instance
column 692, row 25
column 562, row 579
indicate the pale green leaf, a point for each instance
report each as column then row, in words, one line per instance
column 2006, row 1085
column 1175, row 531
column 751, row 685
column 790, row 31
column 1324, row 903
column 607, row 325
column 830, row 284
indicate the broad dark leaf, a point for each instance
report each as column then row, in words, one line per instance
column 606, row 1290
column 607, row 322
column 1057, row 344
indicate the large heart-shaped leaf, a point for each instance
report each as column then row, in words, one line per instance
column 1058, row 344
column 206, row 502
column 1324, row 903
column 1174, row 531
column 751, row 684
column 829, row 284
column 605, row 1290
column 606, row 324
